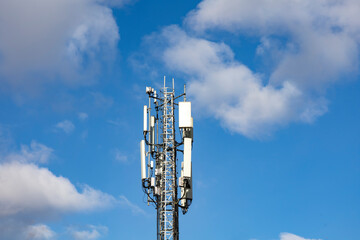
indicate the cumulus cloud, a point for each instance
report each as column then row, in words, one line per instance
column 31, row 194
column 290, row 236
column 322, row 37
column 66, row 125
column 27, row 188
column 60, row 40
column 230, row 91
column 310, row 44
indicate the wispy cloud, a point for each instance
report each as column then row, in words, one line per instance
column 133, row 207
column 39, row 232
column 290, row 236
column 35, row 153
column 83, row 116
column 117, row 123
column 120, row 156
column 101, row 101
column 66, row 125
column 84, row 134
column 91, row 232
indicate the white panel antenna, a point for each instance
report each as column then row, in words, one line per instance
column 187, row 157
column 145, row 118
column 142, row 157
column 185, row 115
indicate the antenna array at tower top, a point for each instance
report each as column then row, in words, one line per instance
column 159, row 169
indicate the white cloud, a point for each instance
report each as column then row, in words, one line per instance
column 83, row 116
column 31, row 194
column 84, row 235
column 92, row 233
column 320, row 38
column 310, row 45
column 117, row 123
column 290, row 236
column 230, row 91
column 36, row 153
column 29, row 189
column 43, row 41
column 39, row 232
column 66, row 125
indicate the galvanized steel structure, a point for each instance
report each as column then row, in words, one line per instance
column 159, row 174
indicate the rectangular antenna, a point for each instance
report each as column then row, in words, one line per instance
column 185, row 114
column 142, row 157
column 145, row 118
column 187, row 157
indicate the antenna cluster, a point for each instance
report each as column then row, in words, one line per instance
column 159, row 170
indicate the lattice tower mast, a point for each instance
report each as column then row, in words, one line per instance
column 159, row 180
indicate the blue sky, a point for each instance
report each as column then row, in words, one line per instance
column 274, row 87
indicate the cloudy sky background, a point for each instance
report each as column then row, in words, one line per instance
column 275, row 93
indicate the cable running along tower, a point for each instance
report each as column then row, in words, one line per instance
column 159, row 170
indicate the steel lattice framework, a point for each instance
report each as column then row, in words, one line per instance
column 167, row 202
column 160, row 184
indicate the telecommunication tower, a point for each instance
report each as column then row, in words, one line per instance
column 159, row 170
